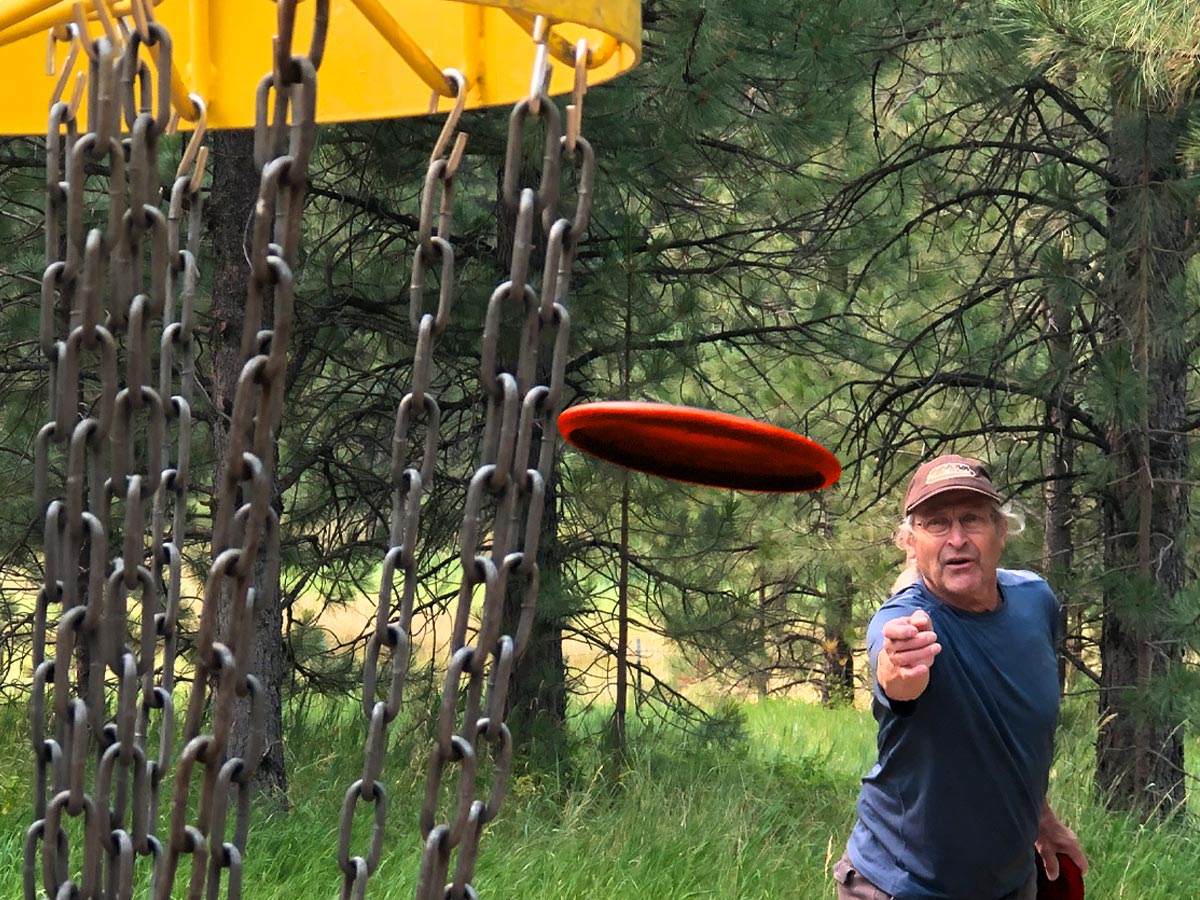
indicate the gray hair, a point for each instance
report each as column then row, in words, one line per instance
column 1014, row 516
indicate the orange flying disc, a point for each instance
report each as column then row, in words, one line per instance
column 699, row 446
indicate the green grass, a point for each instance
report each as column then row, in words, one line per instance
column 684, row 819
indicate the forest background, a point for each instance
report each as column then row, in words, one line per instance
column 899, row 228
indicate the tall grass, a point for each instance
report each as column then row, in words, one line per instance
column 683, row 819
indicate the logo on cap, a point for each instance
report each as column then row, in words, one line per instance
column 950, row 470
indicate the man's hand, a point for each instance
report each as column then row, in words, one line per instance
column 909, row 647
column 1054, row 838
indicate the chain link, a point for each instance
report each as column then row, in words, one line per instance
column 243, row 521
column 115, row 454
column 516, row 459
column 119, row 285
column 418, row 422
column 103, row 453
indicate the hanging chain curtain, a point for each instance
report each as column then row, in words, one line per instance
column 112, row 477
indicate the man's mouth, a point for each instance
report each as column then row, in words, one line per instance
column 959, row 562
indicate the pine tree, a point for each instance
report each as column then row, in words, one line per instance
column 1019, row 255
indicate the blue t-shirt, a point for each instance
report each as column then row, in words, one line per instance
column 950, row 811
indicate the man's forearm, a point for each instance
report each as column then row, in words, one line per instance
column 1053, row 838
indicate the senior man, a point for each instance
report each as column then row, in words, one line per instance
column 966, row 701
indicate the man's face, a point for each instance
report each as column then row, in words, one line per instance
column 957, row 538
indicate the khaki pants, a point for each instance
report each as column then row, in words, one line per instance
column 853, row 886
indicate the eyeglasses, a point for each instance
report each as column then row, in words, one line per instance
column 940, row 525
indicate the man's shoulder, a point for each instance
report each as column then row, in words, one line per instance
column 1018, row 577
column 903, row 603
column 1021, row 583
column 906, row 600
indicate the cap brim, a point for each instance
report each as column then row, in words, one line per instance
column 947, row 488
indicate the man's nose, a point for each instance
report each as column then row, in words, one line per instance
column 958, row 535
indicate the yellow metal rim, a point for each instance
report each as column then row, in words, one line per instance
column 383, row 58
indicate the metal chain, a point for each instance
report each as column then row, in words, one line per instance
column 101, row 284
column 418, row 420
column 284, row 138
column 117, row 461
column 49, row 772
column 516, row 460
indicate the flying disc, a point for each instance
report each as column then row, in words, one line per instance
column 699, row 446
column 1067, row 886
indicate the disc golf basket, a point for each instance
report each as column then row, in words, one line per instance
column 117, row 336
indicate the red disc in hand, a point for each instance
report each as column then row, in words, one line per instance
column 1067, row 886
column 699, row 446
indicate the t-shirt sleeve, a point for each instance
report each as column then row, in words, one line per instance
column 1052, row 609
column 903, row 604
column 1044, row 594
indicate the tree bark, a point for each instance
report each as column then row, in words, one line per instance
column 537, row 696
column 1058, row 548
column 620, row 707
column 234, row 192
column 538, row 692
column 837, row 688
column 1140, row 744
column 760, row 672
column 621, row 704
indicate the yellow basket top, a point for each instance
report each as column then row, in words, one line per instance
column 381, row 56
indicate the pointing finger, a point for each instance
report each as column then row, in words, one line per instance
column 899, row 630
column 918, row 656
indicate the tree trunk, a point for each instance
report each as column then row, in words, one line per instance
column 1140, row 743
column 620, row 707
column 621, row 704
column 760, row 673
column 1058, row 548
column 538, row 692
column 837, row 687
column 234, row 192
column 537, row 696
